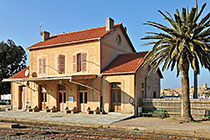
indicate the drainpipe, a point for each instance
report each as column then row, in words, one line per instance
column 101, row 100
column 145, row 87
column 135, row 97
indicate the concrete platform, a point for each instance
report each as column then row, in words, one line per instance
column 67, row 118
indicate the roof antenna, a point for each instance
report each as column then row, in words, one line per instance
column 40, row 28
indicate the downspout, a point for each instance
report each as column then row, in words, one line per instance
column 101, row 88
column 135, row 97
column 101, row 97
column 145, row 87
column 12, row 84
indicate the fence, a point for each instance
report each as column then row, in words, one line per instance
column 173, row 106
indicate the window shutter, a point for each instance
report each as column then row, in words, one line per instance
column 61, row 64
column 84, row 62
column 40, row 65
column 74, row 63
column 44, row 65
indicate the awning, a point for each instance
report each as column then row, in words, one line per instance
column 50, row 78
column 71, row 79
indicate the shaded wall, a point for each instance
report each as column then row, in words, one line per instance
column 173, row 106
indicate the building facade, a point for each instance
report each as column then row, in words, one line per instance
column 97, row 67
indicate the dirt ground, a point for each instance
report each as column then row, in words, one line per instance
column 168, row 125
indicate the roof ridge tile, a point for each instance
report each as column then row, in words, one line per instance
column 94, row 28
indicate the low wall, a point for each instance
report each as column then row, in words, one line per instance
column 173, row 106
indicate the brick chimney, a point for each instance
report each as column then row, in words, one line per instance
column 109, row 23
column 45, row 35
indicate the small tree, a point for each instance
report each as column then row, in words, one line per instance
column 12, row 60
column 184, row 44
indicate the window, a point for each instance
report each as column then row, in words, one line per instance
column 142, row 85
column 82, row 97
column 42, row 65
column 118, row 40
column 61, row 64
column 82, row 88
column 116, row 92
column 154, row 94
column 61, row 87
column 80, row 62
column 115, row 85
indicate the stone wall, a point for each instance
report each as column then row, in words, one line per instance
column 173, row 106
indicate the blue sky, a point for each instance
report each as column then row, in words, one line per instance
column 20, row 21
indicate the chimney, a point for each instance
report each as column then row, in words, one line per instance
column 125, row 29
column 205, row 86
column 45, row 35
column 109, row 23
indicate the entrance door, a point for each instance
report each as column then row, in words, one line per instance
column 116, row 97
column 22, row 94
column 62, row 100
column 61, row 97
column 83, row 101
column 116, row 100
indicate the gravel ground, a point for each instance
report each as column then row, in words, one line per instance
column 60, row 132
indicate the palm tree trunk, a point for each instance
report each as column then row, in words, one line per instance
column 195, row 93
column 185, row 102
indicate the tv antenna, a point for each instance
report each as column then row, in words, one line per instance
column 40, row 28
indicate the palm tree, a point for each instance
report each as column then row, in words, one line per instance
column 185, row 43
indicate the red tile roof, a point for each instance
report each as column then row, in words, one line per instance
column 74, row 36
column 21, row 74
column 126, row 63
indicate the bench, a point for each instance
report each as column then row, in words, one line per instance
column 159, row 113
column 30, row 109
column 35, row 109
column 147, row 113
column 154, row 113
column 53, row 109
column 70, row 109
column 94, row 110
column 207, row 115
column 47, row 109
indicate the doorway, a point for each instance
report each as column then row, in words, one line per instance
column 115, row 97
column 43, row 96
column 83, row 97
column 22, row 97
column 61, row 97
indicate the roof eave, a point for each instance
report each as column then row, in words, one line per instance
column 66, row 43
column 118, row 73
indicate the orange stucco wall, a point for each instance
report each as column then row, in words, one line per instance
column 110, row 48
column 91, row 48
column 127, row 92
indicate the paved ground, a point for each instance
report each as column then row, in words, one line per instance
column 67, row 118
